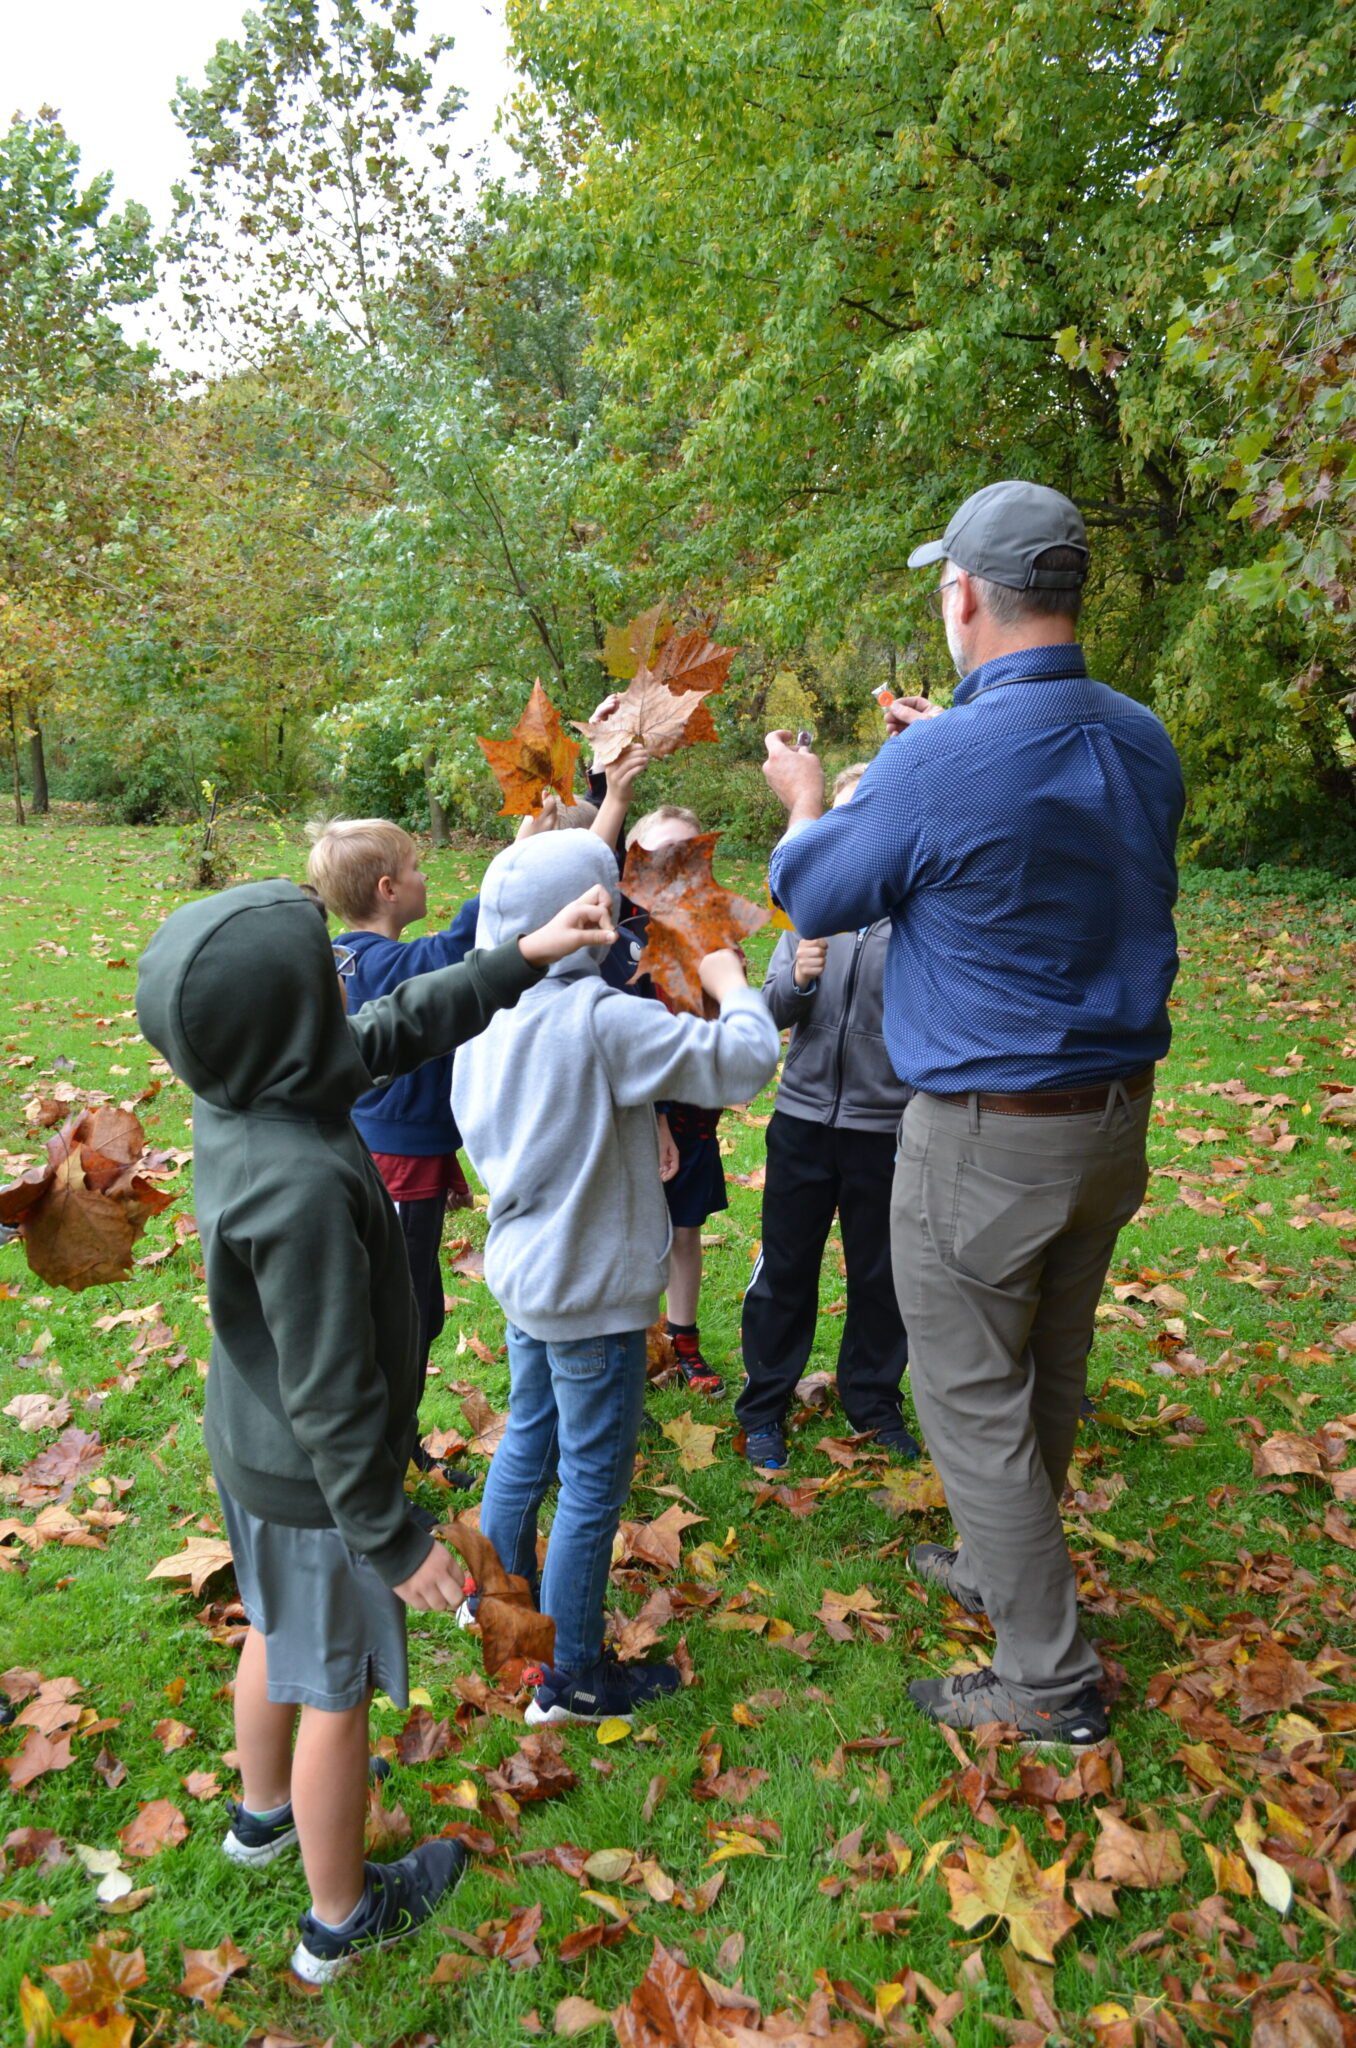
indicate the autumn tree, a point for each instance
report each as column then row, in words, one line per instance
column 68, row 263
column 845, row 264
column 313, row 183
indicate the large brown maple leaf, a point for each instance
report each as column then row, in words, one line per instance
column 537, row 755
column 651, row 715
column 691, row 915
column 80, row 1213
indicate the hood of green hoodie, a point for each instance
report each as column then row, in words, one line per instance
column 239, row 994
column 531, row 880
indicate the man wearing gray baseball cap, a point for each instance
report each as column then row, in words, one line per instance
column 1022, row 845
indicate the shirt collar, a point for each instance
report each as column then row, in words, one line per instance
column 1027, row 665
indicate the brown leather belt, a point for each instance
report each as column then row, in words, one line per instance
column 1057, row 1101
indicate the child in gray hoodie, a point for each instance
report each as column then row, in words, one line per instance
column 555, row 1104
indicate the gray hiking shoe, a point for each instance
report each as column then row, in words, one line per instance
column 936, row 1566
column 969, row 1699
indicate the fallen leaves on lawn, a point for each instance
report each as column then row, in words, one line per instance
column 1012, row 1887
column 159, row 1825
column 695, row 1441
column 207, row 1971
column 201, row 1558
column 82, row 1210
column 1143, row 1858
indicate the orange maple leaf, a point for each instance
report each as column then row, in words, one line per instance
column 537, row 755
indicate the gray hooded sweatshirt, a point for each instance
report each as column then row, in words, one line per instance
column 555, row 1104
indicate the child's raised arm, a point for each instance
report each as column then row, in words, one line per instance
column 653, row 1056
column 432, row 1013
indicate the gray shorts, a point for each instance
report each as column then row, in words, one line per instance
column 333, row 1632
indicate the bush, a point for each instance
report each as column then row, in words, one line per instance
column 373, row 784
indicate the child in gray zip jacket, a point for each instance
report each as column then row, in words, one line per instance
column 830, row 1147
column 557, row 1113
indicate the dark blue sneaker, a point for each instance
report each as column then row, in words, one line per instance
column 256, row 1843
column 399, row 1898
column 899, row 1442
column 766, row 1448
column 609, row 1692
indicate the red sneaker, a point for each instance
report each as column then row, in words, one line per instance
column 697, row 1374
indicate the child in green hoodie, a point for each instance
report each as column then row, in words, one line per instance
column 312, row 1390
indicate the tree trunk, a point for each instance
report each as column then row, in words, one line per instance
column 19, row 817
column 437, row 816
column 37, row 766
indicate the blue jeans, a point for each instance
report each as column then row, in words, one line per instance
column 575, row 1411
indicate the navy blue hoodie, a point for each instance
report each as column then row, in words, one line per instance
column 412, row 1114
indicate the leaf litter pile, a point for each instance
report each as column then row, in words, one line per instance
column 782, row 1852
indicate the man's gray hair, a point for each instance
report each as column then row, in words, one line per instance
column 1008, row 607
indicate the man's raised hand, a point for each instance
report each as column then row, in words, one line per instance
column 795, row 775
column 906, row 711
column 585, row 922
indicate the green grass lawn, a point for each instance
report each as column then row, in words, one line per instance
column 1239, row 1586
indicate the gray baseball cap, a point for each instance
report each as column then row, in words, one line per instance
column 1001, row 532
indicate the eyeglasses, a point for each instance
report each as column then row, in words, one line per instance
column 345, row 962
column 935, row 596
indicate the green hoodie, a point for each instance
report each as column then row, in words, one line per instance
column 310, row 1413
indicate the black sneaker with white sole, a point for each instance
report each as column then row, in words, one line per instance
column 973, row 1699
column 609, row 1691
column 255, row 1843
column 398, row 1899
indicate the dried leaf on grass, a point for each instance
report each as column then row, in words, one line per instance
column 201, row 1558
column 207, row 1971
column 82, row 1210
column 1013, row 1888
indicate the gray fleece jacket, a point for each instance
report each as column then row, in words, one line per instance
column 555, row 1104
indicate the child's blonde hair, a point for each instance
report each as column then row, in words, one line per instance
column 348, row 858
column 664, row 814
column 848, row 778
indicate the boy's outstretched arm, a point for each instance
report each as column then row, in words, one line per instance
column 652, row 1056
column 432, row 1013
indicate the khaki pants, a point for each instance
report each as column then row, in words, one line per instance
column 1002, row 1229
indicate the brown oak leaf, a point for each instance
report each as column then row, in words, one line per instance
column 668, row 2008
column 37, row 1755
column 537, row 755
column 80, row 1213
column 201, row 1558
column 691, row 915
column 159, row 1825
column 509, row 1623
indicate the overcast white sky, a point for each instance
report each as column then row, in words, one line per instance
column 111, row 69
